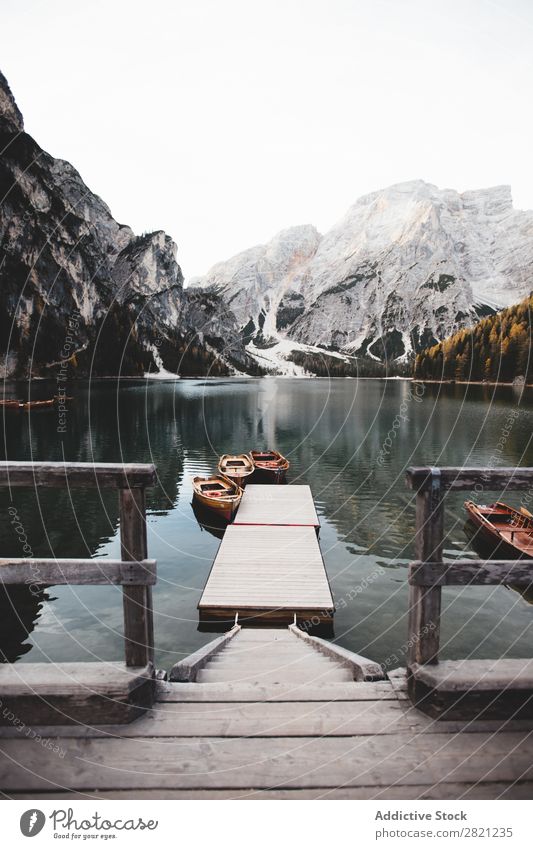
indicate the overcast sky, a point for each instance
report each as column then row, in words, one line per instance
column 223, row 121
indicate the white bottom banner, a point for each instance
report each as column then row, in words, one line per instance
column 263, row 824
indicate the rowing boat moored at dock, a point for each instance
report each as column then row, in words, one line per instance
column 236, row 467
column 502, row 530
column 270, row 466
column 218, row 494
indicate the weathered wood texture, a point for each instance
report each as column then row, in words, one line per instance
column 287, row 692
column 277, row 505
column 270, row 657
column 300, row 763
column 138, row 616
column 472, row 478
column 425, row 602
column 268, row 571
column 519, row 573
column 188, row 668
column 437, row 791
column 464, row 689
column 48, row 572
column 349, row 740
column 254, row 719
column 59, row 693
column 462, row 675
column 474, row 689
column 101, row 475
column 361, row 667
column 95, row 699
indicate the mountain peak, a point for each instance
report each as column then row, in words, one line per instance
column 406, row 266
column 10, row 115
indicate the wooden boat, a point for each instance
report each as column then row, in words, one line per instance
column 48, row 403
column 219, row 494
column 236, row 467
column 38, row 405
column 502, row 530
column 270, row 466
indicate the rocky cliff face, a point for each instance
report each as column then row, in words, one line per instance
column 68, row 269
column 258, row 284
column 405, row 267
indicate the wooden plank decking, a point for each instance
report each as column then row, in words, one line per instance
column 271, row 572
column 277, row 505
column 333, row 740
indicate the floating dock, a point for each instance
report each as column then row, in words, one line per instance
column 269, row 565
column 277, row 505
column 270, row 573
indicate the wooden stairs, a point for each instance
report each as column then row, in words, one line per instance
column 273, row 656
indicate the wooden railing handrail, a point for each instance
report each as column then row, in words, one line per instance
column 135, row 573
column 430, row 572
column 51, row 571
column 471, row 572
column 15, row 473
column 467, row 477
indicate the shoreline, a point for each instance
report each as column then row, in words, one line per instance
column 249, row 377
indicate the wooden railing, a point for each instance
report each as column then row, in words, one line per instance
column 429, row 573
column 134, row 572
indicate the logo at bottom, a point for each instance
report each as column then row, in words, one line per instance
column 32, row 822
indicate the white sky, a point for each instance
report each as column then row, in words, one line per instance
column 223, row 122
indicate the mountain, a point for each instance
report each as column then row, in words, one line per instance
column 76, row 285
column 404, row 268
column 498, row 348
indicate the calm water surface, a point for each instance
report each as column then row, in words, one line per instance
column 333, row 433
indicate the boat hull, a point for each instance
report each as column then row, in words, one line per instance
column 223, row 503
column 224, row 509
column 270, row 466
column 270, row 475
column 489, row 540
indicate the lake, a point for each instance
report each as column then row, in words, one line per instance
column 351, row 440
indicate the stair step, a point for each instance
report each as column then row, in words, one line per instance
column 292, row 663
column 293, row 676
column 256, row 657
column 248, row 631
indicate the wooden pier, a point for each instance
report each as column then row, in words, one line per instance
column 269, row 567
column 274, row 712
column 270, row 574
column 277, row 505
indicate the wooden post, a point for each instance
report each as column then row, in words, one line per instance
column 425, row 602
column 138, row 618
